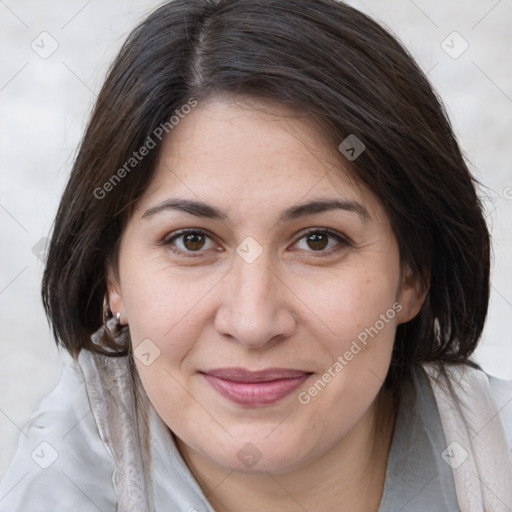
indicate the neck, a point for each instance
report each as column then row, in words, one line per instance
column 354, row 468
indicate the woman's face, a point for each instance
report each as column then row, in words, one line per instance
column 262, row 289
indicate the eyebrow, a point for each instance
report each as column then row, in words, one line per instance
column 204, row 210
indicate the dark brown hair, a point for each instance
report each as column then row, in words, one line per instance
column 328, row 60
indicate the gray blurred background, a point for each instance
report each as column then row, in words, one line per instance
column 54, row 56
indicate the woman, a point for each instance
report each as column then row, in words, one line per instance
column 271, row 268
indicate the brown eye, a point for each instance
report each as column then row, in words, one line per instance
column 188, row 242
column 317, row 241
column 323, row 241
column 193, row 241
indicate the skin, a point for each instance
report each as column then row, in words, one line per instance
column 294, row 306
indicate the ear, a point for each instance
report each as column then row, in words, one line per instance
column 115, row 296
column 411, row 296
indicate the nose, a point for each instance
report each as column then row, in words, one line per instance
column 257, row 306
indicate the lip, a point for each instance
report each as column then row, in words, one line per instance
column 255, row 388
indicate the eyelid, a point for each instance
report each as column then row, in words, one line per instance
column 343, row 241
column 177, row 234
column 185, row 231
column 329, row 231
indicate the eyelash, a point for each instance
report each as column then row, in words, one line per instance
column 342, row 241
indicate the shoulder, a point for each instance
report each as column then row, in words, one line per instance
column 473, row 387
column 502, row 393
column 61, row 464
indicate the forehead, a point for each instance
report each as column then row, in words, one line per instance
column 243, row 151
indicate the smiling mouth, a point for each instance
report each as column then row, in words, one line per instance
column 255, row 388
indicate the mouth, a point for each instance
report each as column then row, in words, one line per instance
column 255, row 388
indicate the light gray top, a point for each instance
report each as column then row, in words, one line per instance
column 418, row 478
column 62, row 464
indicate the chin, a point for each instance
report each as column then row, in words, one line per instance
column 261, row 456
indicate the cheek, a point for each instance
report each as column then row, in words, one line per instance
column 164, row 309
column 358, row 309
column 359, row 358
column 163, row 303
column 351, row 303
